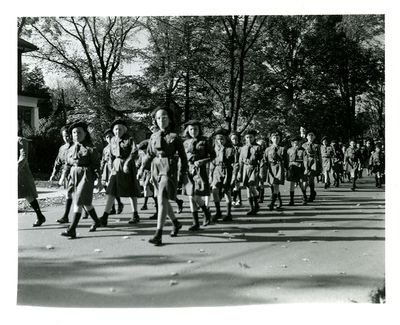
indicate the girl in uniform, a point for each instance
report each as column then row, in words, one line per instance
column 59, row 166
column 106, row 167
column 263, row 170
column 276, row 162
column 199, row 152
column 377, row 164
column 337, row 162
column 326, row 160
column 161, row 155
column 82, row 165
column 313, row 154
column 297, row 163
column 352, row 159
column 236, row 190
column 123, row 179
column 148, row 189
column 221, row 173
column 26, row 183
column 249, row 169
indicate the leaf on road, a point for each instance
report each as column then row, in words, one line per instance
column 112, row 290
column 49, row 247
column 98, row 250
column 202, row 250
column 284, row 266
column 358, row 204
column 283, row 246
column 244, row 265
column 190, row 261
column 313, row 241
column 126, row 237
column 174, row 273
column 173, row 282
column 305, row 259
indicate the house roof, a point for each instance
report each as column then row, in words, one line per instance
column 25, row 46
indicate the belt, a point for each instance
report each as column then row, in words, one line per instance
column 79, row 165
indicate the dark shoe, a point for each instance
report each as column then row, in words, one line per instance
column 69, row 233
column 153, row 217
column 279, row 201
column 176, row 227
column 156, row 240
column 256, row 205
column 194, row 227
column 208, row 220
column 112, row 211
column 273, row 200
column 180, row 205
column 120, row 208
column 326, row 186
column 39, row 221
column 143, row 208
column 227, row 218
column 63, row 220
column 95, row 226
column 135, row 219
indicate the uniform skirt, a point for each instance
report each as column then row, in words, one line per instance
column 123, row 184
column 295, row 173
column 81, row 182
column 26, row 183
column 197, row 181
column 326, row 164
column 221, row 178
column 352, row 168
column 250, row 175
column 164, row 177
column 276, row 174
column 314, row 168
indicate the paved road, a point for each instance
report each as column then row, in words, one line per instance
column 329, row 251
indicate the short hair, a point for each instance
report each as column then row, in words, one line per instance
column 171, row 115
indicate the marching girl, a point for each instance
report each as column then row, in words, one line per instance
column 297, row 164
column 123, row 179
column 276, row 161
column 337, row 162
column 352, row 158
column 221, row 173
column 249, row 169
column 82, row 164
column 59, row 165
column 313, row 154
column 236, row 189
column 326, row 160
column 263, row 170
column 199, row 152
column 26, row 183
column 148, row 189
column 106, row 167
column 161, row 156
column 377, row 164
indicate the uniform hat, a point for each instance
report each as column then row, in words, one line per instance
column 310, row 131
column 78, row 124
column 221, row 131
column 118, row 121
column 143, row 145
column 108, row 131
column 324, row 138
column 192, row 122
column 251, row 131
column 378, row 144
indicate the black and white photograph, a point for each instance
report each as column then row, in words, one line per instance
column 208, row 160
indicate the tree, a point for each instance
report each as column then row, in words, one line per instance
column 89, row 49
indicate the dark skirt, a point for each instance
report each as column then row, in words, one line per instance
column 221, row 178
column 295, row 173
column 197, row 182
column 276, row 174
column 81, row 181
column 26, row 183
column 123, row 184
column 250, row 175
column 164, row 173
